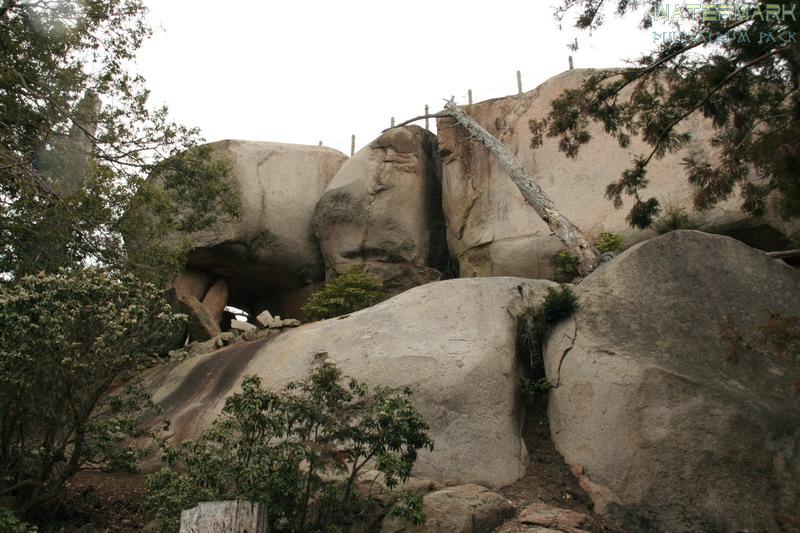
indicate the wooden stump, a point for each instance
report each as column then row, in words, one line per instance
column 225, row 517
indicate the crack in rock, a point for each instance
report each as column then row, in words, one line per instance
column 565, row 352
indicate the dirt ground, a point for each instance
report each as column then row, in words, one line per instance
column 104, row 502
column 548, row 478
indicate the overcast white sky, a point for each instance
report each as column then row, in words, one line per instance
column 305, row 71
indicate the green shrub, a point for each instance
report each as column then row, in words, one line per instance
column 410, row 508
column 532, row 387
column 558, row 304
column 533, row 326
column 71, row 344
column 298, row 452
column 674, row 218
column 9, row 523
column 608, row 242
column 352, row 290
column 567, row 264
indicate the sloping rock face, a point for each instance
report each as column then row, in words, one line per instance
column 383, row 211
column 673, row 401
column 270, row 248
column 492, row 231
column 452, row 343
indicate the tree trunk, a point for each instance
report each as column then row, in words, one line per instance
column 225, row 517
column 573, row 238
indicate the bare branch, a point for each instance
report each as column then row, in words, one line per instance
column 572, row 237
column 409, row 121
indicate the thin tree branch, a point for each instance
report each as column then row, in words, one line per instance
column 409, row 121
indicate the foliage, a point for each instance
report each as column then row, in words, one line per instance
column 532, row 388
column 352, row 290
column 533, row 326
column 78, row 138
column 742, row 72
column 410, row 509
column 186, row 193
column 674, row 218
column 9, row 523
column 567, row 264
column 608, row 242
column 558, row 305
column 299, row 452
column 69, row 345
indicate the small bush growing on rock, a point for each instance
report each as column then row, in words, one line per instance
column 558, row 304
column 608, row 242
column 567, row 264
column 533, row 325
column 675, row 218
column 352, row 290
column 298, row 452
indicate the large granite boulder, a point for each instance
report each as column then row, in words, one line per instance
column 676, row 398
column 383, row 211
column 270, row 248
column 463, row 509
column 451, row 342
column 492, row 231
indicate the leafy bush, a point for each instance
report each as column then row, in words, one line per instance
column 298, row 452
column 533, row 325
column 410, row 508
column 608, row 242
column 352, row 290
column 9, row 523
column 69, row 345
column 567, row 264
column 674, row 218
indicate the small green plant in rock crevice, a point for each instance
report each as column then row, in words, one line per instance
column 533, row 326
column 352, row 290
column 608, row 242
column 567, row 264
column 299, row 452
column 674, row 218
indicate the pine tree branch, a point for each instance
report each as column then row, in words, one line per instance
column 666, row 131
column 666, row 59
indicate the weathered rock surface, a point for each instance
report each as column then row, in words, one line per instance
column 540, row 517
column 461, row 509
column 671, row 405
column 383, row 211
column 241, row 325
column 372, row 483
column 216, row 299
column 492, row 231
column 200, row 325
column 451, row 342
column 193, row 283
column 270, row 248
